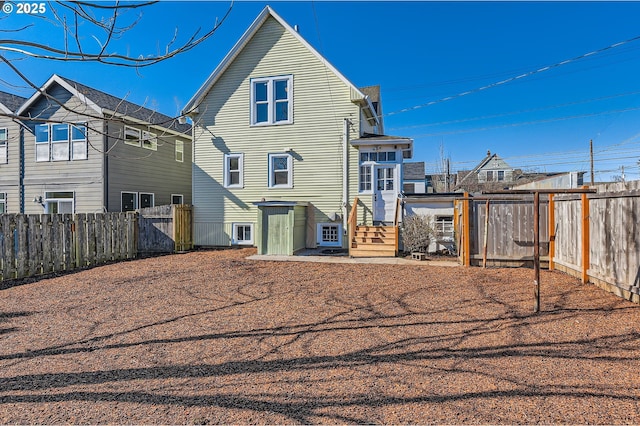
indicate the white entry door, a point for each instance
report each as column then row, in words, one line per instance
column 385, row 193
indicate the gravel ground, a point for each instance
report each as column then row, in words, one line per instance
column 211, row 337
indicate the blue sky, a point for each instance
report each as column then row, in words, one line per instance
column 422, row 53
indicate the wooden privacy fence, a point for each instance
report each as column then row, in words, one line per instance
column 595, row 236
column 498, row 230
column 40, row 244
column 165, row 229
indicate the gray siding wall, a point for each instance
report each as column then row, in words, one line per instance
column 10, row 172
column 321, row 102
column 84, row 177
column 137, row 169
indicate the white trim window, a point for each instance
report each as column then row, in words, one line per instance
column 272, row 100
column 132, row 136
column 177, row 199
column 128, row 201
column 242, row 234
column 329, row 234
column 146, row 200
column 79, row 141
column 444, row 228
column 280, row 171
column 234, row 170
column 3, row 202
column 149, row 140
column 59, row 202
column 42, row 142
column 180, row 151
column 4, row 142
column 61, row 142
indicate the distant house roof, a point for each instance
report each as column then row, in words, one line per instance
column 10, row 103
column 106, row 104
column 413, row 171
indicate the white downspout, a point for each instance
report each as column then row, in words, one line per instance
column 345, row 173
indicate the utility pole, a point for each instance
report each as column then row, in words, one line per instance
column 591, row 154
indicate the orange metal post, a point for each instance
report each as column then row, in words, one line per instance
column 466, row 231
column 552, row 232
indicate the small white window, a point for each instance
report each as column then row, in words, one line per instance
column 365, row 178
column 329, row 234
column 59, row 202
column 177, row 199
column 280, row 171
column 180, row 151
column 129, row 201
column 444, row 228
column 132, row 136
column 233, row 170
column 272, row 100
column 149, row 141
column 3, row 202
column 3, row 146
column 146, row 200
column 242, row 234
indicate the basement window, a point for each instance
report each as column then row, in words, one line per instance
column 329, row 234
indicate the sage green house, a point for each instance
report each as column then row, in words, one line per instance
column 86, row 151
column 284, row 143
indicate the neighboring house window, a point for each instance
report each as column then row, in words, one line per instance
column 444, row 227
column 3, row 202
column 272, row 100
column 280, row 171
column 242, row 234
column 330, row 234
column 129, row 201
column 146, row 200
column 58, row 202
column 42, row 142
column 3, row 147
column 500, row 174
column 150, row 141
column 132, row 136
column 177, row 199
column 79, row 141
column 61, row 142
column 180, row 151
column 233, row 170
column 409, row 188
column 490, row 176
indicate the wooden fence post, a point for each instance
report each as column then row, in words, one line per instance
column 585, row 238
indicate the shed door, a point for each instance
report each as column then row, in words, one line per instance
column 385, row 193
column 276, row 230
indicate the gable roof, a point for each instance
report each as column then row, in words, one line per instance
column 267, row 12
column 10, row 103
column 105, row 104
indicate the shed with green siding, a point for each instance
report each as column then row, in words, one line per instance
column 281, row 227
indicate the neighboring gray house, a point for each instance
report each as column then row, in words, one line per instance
column 87, row 151
column 10, row 130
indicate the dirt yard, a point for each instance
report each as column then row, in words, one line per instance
column 210, row 337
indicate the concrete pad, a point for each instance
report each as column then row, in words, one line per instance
column 347, row 259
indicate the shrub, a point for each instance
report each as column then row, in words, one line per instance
column 417, row 233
